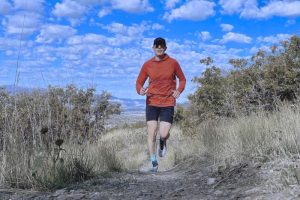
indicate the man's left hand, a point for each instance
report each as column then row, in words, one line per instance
column 176, row 94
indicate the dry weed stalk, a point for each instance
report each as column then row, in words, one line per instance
column 34, row 125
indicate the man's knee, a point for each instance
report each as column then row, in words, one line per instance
column 165, row 136
column 164, row 129
column 152, row 125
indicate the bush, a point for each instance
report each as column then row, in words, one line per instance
column 35, row 126
column 252, row 85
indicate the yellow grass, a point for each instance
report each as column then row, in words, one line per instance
column 270, row 138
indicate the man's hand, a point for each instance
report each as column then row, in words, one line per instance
column 176, row 94
column 143, row 91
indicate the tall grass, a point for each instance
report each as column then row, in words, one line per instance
column 43, row 135
column 270, row 141
column 263, row 134
column 47, row 142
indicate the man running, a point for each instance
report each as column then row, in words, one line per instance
column 161, row 93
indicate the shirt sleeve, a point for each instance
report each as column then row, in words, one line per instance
column 142, row 77
column 179, row 73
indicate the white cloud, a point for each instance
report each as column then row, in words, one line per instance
column 117, row 28
column 53, row 32
column 90, row 38
column 75, row 10
column 100, row 40
column 22, row 22
column 277, row 8
column 204, row 35
column 11, row 45
column 126, row 34
column 235, row 37
column 92, row 2
column 250, row 9
column 290, row 22
column 192, row 10
column 69, row 9
column 273, row 39
column 120, row 40
column 169, row 4
column 265, row 48
column 132, row 6
column 220, row 54
column 132, row 31
column 232, row 6
column 226, row 27
column 157, row 26
column 5, row 7
column 36, row 5
column 104, row 11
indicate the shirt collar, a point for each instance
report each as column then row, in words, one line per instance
column 166, row 56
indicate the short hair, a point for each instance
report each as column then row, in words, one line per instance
column 159, row 42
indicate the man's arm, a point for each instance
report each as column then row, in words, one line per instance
column 142, row 77
column 182, row 81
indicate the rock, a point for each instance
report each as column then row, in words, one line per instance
column 211, row 181
column 58, row 193
column 218, row 193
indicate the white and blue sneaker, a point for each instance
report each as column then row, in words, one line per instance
column 162, row 148
column 154, row 167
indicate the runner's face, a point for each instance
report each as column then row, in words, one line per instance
column 159, row 50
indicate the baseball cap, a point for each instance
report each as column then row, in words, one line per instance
column 159, row 42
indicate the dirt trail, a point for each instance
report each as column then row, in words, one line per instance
column 192, row 179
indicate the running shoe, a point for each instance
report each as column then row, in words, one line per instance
column 154, row 167
column 162, row 149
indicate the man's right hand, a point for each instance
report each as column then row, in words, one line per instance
column 143, row 91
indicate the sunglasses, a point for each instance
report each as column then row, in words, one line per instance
column 159, row 46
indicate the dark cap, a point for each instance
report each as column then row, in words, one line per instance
column 159, row 42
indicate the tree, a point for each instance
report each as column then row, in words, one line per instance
column 250, row 85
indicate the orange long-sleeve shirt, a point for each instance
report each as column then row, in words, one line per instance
column 162, row 81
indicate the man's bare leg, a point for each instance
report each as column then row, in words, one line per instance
column 164, row 131
column 164, row 128
column 152, row 131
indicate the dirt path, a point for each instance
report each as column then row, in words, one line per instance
column 192, row 179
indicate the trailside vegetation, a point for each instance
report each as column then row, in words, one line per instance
column 250, row 85
column 43, row 135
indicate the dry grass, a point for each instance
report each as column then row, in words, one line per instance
column 264, row 135
column 43, row 135
column 29, row 157
column 49, row 140
column 269, row 140
column 129, row 146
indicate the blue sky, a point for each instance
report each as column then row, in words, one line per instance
column 102, row 44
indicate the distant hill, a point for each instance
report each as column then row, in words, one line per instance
column 12, row 89
column 131, row 105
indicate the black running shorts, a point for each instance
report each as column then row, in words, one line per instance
column 165, row 114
